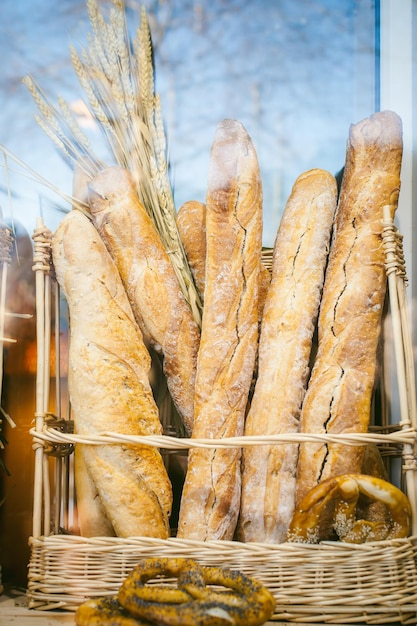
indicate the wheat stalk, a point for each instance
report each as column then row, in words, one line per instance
column 61, row 127
column 117, row 78
column 144, row 56
column 29, row 173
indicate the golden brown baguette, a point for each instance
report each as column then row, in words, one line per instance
column 150, row 281
column 264, row 284
column 108, row 383
column 289, row 318
column 338, row 398
column 92, row 517
column 211, row 494
column 191, row 222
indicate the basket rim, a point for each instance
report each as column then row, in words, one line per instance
column 403, row 436
column 222, row 545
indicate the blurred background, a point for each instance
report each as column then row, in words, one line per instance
column 295, row 73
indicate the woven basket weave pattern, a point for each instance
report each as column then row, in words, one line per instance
column 332, row 582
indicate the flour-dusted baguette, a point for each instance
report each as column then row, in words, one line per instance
column 211, row 494
column 338, row 398
column 191, row 223
column 108, row 383
column 150, row 281
column 91, row 514
column 288, row 322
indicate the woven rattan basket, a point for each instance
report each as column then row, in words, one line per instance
column 333, row 582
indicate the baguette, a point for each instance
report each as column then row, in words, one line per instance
column 264, row 284
column 226, row 359
column 367, row 508
column 191, row 223
column 289, row 318
column 108, row 384
column 150, row 281
column 92, row 517
column 338, row 398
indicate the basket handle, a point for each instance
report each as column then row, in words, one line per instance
column 397, row 280
column 42, row 267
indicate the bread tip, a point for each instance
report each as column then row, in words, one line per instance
column 113, row 178
column 230, row 129
column 107, row 184
column 383, row 125
column 232, row 147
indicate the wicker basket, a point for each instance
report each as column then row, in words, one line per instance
column 333, row 582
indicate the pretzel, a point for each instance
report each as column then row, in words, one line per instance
column 245, row 602
column 105, row 612
column 342, row 492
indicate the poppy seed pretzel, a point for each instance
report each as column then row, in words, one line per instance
column 105, row 612
column 342, row 492
column 245, row 602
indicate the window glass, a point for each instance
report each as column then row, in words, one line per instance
column 296, row 74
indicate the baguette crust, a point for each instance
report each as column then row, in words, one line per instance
column 211, row 494
column 339, row 394
column 264, row 284
column 108, row 383
column 191, row 223
column 92, row 517
column 289, row 317
column 150, row 282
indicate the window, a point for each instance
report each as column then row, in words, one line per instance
column 398, row 92
column 296, row 74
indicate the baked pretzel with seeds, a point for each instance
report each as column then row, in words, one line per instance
column 105, row 612
column 341, row 493
column 238, row 600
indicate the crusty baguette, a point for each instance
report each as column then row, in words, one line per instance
column 150, row 281
column 338, row 398
column 264, row 284
column 108, row 383
column 289, row 318
column 92, row 516
column 191, row 223
column 211, row 494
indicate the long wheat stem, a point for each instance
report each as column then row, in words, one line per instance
column 119, row 84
